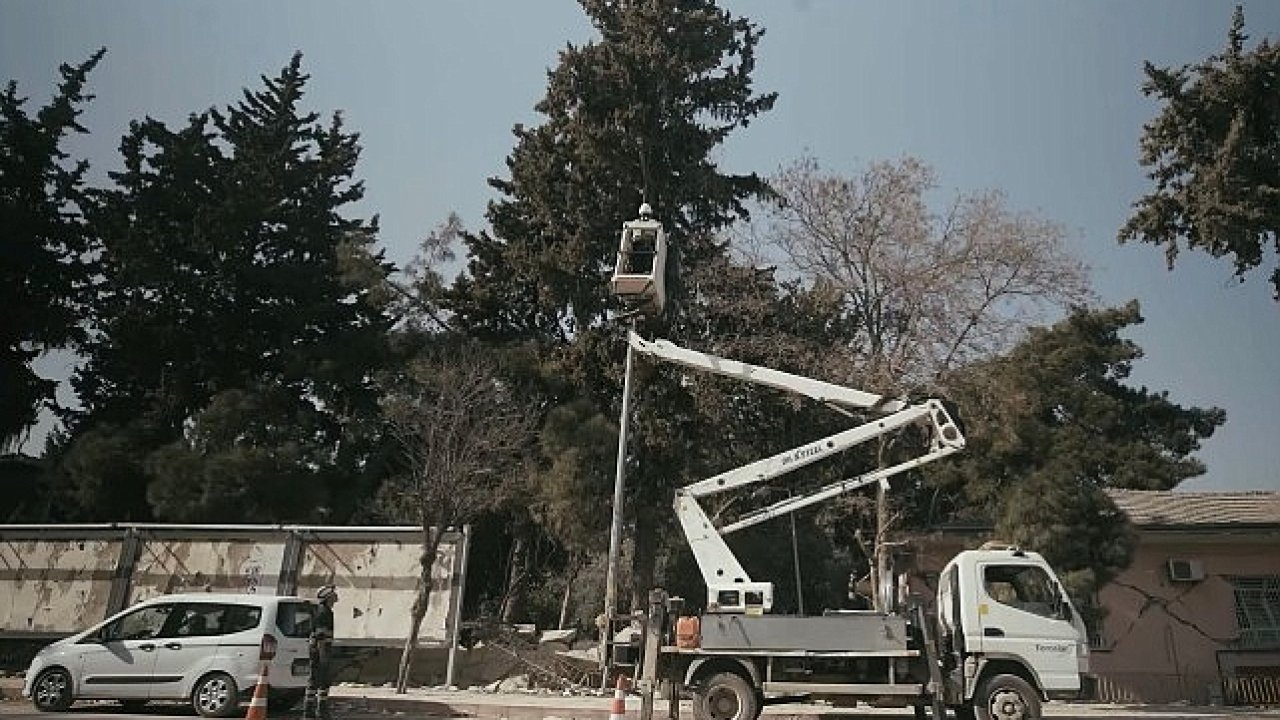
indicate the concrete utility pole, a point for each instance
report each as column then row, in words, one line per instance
column 615, row 527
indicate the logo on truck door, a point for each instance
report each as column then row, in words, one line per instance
column 1053, row 647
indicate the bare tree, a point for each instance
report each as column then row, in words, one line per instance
column 930, row 291
column 463, row 435
column 414, row 293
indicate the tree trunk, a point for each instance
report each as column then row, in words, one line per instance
column 575, row 564
column 880, row 568
column 513, row 593
column 430, row 547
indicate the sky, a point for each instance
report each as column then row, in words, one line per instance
column 1039, row 100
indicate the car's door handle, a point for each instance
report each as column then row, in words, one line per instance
column 993, row 632
column 148, row 647
column 173, row 645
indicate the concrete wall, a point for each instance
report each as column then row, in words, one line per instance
column 47, row 582
column 169, row 564
column 1167, row 640
column 56, row 580
column 376, row 583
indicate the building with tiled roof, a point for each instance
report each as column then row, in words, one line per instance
column 1196, row 616
column 1172, row 511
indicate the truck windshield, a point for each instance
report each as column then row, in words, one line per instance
column 1025, row 587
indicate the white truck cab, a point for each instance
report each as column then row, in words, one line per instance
column 1003, row 611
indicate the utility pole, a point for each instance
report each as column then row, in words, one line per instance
column 615, row 526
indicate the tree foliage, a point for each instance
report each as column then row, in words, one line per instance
column 636, row 114
column 227, row 351
column 925, row 291
column 1214, row 154
column 1053, row 424
column 928, row 290
column 45, row 264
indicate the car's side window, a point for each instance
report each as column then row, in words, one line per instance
column 238, row 618
column 1024, row 587
column 294, row 618
column 143, row 624
column 200, row 620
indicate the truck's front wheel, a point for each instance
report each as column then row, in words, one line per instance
column 1007, row 697
column 726, row 696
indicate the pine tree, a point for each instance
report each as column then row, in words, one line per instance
column 1214, row 154
column 231, row 357
column 45, row 265
column 1053, row 424
column 635, row 115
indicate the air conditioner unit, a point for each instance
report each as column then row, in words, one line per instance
column 1185, row 570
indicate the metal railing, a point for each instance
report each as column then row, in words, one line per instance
column 1195, row 689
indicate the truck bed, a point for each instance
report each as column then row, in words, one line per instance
column 860, row 633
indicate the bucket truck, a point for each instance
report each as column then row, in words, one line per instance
column 1003, row 635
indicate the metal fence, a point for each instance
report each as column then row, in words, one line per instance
column 1187, row 688
column 1259, row 690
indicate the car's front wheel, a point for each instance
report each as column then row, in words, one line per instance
column 216, row 695
column 52, row 691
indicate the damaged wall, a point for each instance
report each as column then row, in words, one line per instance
column 51, row 580
column 166, row 565
column 57, row 580
column 376, row 583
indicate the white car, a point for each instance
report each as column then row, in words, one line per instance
column 203, row 648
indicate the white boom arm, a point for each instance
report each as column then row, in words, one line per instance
column 729, row 588
column 824, row 392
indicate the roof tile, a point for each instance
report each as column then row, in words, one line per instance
column 1171, row 508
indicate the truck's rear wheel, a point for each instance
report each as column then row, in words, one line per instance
column 1007, row 697
column 726, row 696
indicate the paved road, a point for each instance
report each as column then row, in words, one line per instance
column 22, row 711
column 376, row 703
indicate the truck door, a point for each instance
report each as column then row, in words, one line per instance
column 1022, row 613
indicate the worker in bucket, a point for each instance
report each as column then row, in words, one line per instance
column 316, row 705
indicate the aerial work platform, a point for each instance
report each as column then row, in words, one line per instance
column 639, row 274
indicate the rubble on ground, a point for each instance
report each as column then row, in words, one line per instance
column 526, row 661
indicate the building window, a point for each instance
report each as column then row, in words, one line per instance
column 1258, row 610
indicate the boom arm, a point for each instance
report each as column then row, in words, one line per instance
column 729, row 588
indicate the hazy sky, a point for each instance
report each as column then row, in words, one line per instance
column 1040, row 100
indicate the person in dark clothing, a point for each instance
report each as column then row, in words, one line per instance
column 316, row 705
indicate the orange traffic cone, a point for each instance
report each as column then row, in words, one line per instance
column 258, row 706
column 618, row 708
